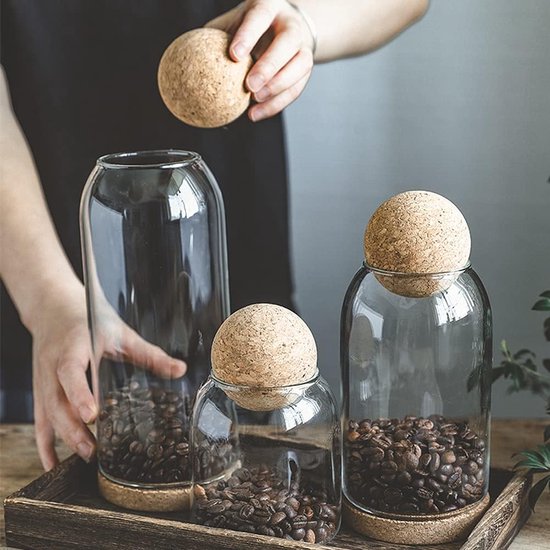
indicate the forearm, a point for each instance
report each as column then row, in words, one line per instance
column 353, row 27
column 32, row 261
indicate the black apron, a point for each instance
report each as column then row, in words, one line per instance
column 82, row 76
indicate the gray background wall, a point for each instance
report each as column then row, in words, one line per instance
column 459, row 105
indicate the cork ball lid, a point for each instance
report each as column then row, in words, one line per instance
column 417, row 232
column 264, row 346
column 198, row 81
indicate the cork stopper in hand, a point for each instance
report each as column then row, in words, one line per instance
column 417, row 232
column 198, row 81
column 264, row 346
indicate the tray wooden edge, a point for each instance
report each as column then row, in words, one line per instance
column 504, row 518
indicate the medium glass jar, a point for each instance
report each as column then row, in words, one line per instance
column 416, row 379
column 154, row 254
column 267, row 460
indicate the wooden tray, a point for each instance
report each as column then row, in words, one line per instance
column 63, row 510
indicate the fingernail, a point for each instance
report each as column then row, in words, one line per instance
column 262, row 94
column 255, row 82
column 85, row 450
column 240, row 50
column 87, row 413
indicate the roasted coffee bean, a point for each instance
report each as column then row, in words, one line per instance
column 299, row 522
column 136, row 447
column 246, row 511
column 446, row 469
column 154, row 451
column 425, row 460
column 277, row 518
column 403, row 478
column 435, row 462
column 307, row 511
column 303, row 516
column 293, row 503
column 446, row 459
column 470, row 467
column 142, row 435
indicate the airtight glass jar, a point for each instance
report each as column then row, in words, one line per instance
column 154, row 254
column 267, row 460
column 416, row 354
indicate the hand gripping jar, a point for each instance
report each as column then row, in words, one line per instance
column 154, row 254
column 416, row 352
column 266, row 435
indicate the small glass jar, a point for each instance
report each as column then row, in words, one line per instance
column 416, row 379
column 154, row 254
column 267, row 460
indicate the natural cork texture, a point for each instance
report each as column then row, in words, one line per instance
column 421, row 530
column 265, row 348
column 418, row 234
column 167, row 499
column 198, row 81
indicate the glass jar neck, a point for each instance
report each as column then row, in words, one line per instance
column 272, row 389
column 436, row 275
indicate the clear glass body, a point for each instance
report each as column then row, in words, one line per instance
column 416, row 379
column 154, row 254
column 274, row 471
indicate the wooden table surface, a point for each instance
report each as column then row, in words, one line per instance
column 19, row 464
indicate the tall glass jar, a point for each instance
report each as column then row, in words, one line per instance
column 154, row 254
column 267, row 460
column 416, row 379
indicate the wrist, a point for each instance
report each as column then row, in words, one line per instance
column 307, row 23
column 50, row 296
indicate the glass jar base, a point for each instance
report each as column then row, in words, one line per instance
column 429, row 529
column 165, row 499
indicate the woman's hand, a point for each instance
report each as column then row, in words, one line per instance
column 63, row 402
column 280, row 41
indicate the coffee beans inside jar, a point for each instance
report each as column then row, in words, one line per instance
column 414, row 465
column 143, row 436
column 258, row 501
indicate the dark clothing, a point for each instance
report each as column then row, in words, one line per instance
column 82, row 76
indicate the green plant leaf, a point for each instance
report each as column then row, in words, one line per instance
column 530, row 464
column 530, row 365
column 496, row 373
column 546, row 364
column 524, row 353
column 536, row 491
column 544, row 452
column 542, row 305
column 504, row 348
column 545, row 294
column 547, row 328
column 537, row 459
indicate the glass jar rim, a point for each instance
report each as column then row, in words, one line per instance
column 403, row 274
column 242, row 387
column 157, row 158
